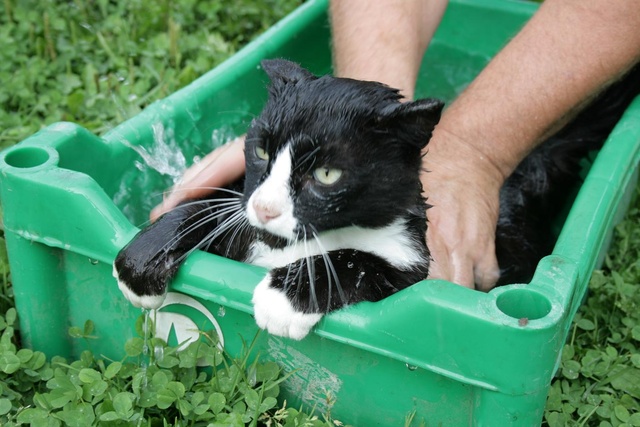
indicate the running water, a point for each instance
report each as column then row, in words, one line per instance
column 147, row 333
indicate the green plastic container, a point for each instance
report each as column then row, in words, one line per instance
column 454, row 356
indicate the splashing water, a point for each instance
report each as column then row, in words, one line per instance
column 165, row 156
column 160, row 166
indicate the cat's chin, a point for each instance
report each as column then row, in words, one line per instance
column 274, row 313
column 279, row 228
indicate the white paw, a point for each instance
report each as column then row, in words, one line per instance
column 274, row 312
column 150, row 302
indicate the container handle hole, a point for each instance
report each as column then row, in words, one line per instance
column 523, row 303
column 27, row 157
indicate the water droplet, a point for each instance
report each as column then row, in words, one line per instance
column 349, row 264
column 93, row 261
column 411, row 367
column 221, row 311
column 158, row 353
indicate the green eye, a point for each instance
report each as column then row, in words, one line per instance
column 261, row 153
column 327, row 176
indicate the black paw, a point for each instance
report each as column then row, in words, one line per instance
column 143, row 270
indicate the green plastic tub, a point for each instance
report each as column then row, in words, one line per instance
column 454, row 356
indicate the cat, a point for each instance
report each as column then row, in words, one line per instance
column 331, row 202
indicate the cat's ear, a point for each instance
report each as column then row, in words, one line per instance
column 281, row 71
column 422, row 114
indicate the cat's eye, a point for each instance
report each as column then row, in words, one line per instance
column 262, row 153
column 327, row 176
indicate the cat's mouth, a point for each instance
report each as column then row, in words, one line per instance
column 273, row 241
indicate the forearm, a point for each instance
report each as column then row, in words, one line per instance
column 567, row 53
column 383, row 40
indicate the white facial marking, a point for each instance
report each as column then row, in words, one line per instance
column 392, row 243
column 270, row 206
column 274, row 312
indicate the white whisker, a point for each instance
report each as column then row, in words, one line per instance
column 230, row 222
column 311, row 271
column 343, row 298
column 206, row 219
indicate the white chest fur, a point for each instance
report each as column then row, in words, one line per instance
column 392, row 243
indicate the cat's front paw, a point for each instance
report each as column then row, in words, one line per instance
column 150, row 302
column 144, row 284
column 274, row 312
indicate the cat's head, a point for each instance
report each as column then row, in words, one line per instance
column 327, row 153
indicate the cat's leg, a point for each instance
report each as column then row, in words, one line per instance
column 290, row 300
column 146, row 265
column 275, row 312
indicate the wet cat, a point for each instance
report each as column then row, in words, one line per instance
column 331, row 202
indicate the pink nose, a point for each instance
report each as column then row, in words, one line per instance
column 266, row 213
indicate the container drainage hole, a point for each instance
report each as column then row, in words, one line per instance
column 523, row 304
column 27, row 157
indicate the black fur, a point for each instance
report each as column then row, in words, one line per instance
column 536, row 193
column 362, row 129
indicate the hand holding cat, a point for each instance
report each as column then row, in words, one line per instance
column 463, row 190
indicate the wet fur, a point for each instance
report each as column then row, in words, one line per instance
column 363, row 239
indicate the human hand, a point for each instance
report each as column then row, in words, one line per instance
column 222, row 166
column 463, row 188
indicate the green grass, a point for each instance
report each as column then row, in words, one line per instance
column 99, row 62
column 598, row 383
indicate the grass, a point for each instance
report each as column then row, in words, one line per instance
column 99, row 62
column 598, row 383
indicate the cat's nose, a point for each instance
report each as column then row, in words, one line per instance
column 266, row 213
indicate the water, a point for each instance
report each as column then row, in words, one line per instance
column 146, row 332
column 164, row 156
column 160, row 165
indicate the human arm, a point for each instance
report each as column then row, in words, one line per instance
column 381, row 40
column 567, row 53
column 384, row 40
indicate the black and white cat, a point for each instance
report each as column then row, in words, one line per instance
column 331, row 202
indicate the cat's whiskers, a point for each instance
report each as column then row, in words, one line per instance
column 309, row 157
column 212, row 189
column 232, row 221
column 296, row 277
column 229, row 207
column 329, row 265
column 311, row 271
column 243, row 227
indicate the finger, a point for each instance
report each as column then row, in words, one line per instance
column 439, row 267
column 487, row 272
column 462, row 270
